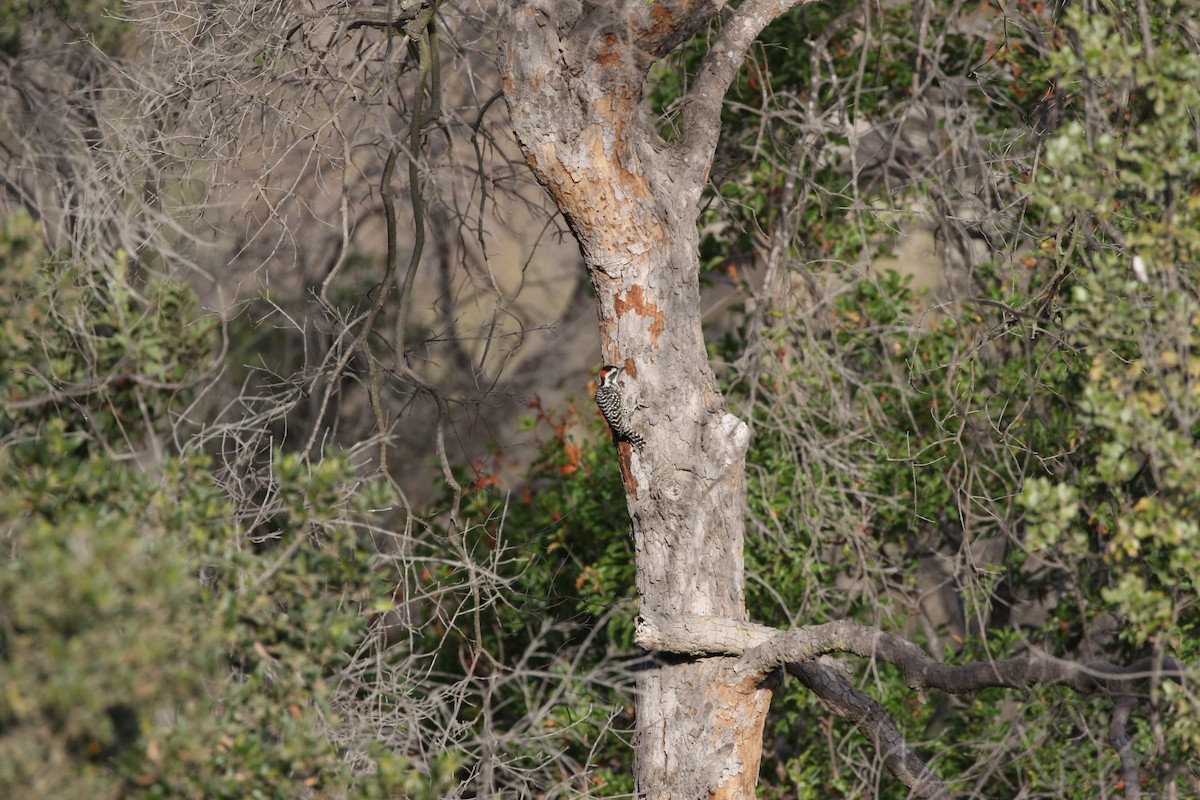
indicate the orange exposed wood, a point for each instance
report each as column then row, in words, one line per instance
column 743, row 715
column 635, row 300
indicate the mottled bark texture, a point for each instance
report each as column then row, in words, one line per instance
column 573, row 78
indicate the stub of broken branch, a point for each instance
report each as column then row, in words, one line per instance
column 699, row 636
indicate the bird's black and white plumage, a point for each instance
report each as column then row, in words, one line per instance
column 610, row 396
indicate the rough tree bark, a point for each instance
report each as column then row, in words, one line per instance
column 573, row 79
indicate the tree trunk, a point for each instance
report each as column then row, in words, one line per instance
column 573, row 83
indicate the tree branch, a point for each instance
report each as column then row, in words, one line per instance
column 763, row 649
column 700, row 120
column 1118, row 737
column 802, row 652
column 824, row 680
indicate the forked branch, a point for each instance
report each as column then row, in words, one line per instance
column 801, row 652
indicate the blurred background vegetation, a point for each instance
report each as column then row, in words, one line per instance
column 953, row 265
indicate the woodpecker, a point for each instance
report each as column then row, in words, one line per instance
column 611, row 399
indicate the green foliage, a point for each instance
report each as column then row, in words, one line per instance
column 150, row 647
column 109, row 360
column 1053, row 412
column 562, row 557
column 1129, row 492
column 24, row 20
column 569, row 524
column 96, row 637
column 123, row 677
column 835, row 60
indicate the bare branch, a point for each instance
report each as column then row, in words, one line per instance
column 802, row 652
column 701, row 115
column 1119, row 737
column 874, row 722
column 763, row 649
